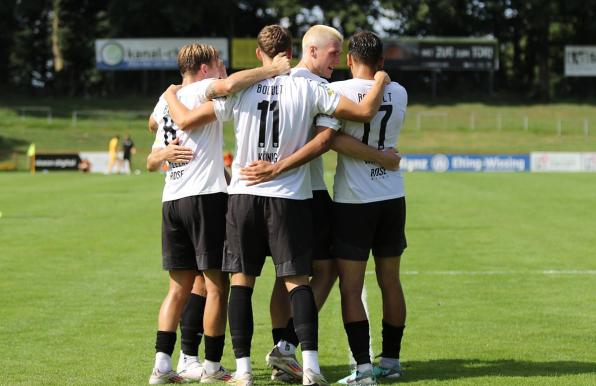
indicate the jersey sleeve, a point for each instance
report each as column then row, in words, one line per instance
column 159, row 142
column 326, row 99
column 224, row 107
column 160, row 110
column 328, row 121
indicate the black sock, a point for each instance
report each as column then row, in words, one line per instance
column 359, row 340
column 278, row 334
column 392, row 336
column 165, row 342
column 214, row 346
column 241, row 320
column 306, row 318
column 290, row 333
column 191, row 324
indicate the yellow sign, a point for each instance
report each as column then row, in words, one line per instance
column 243, row 54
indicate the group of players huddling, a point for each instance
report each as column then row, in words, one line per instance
column 216, row 236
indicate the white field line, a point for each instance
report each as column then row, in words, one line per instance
column 488, row 273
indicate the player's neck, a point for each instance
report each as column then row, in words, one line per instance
column 309, row 66
column 363, row 72
column 191, row 78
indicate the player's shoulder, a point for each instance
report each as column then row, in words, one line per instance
column 398, row 89
column 193, row 88
column 340, row 84
column 300, row 72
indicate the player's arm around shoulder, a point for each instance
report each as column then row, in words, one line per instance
column 171, row 153
column 369, row 106
column 246, row 78
column 345, row 144
column 262, row 171
column 152, row 125
column 184, row 118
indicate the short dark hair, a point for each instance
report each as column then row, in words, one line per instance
column 274, row 39
column 366, row 47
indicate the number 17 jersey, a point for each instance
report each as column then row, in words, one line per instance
column 272, row 120
column 361, row 181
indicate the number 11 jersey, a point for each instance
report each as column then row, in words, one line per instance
column 272, row 120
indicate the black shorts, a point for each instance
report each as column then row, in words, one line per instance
column 322, row 213
column 358, row 228
column 257, row 226
column 193, row 232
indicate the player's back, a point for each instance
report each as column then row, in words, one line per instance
column 204, row 174
column 272, row 120
column 364, row 181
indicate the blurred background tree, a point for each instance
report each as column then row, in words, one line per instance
column 47, row 46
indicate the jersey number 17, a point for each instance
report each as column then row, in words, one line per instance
column 388, row 109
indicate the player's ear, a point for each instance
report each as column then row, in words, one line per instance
column 289, row 53
column 259, row 54
column 312, row 50
column 349, row 60
column 204, row 68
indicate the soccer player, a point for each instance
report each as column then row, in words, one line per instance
column 366, row 191
column 193, row 213
column 272, row 121
column 321, row 49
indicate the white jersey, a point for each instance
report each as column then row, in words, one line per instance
column 317, row 172
column 204, row 174
column 272, row 119
column 359, row 181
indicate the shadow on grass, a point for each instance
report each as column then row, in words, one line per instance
column 446, row 369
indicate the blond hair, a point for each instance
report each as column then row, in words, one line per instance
column 191, row 56
column 318, row 36
column 273, row 39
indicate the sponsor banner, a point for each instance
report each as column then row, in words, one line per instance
column 465, row 162
column 57, row 161
column 149, row 54
column 580, row 60
column 446, row 54
column 99, row 161
column 563, row 162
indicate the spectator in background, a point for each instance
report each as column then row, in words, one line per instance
column 85, row 166
column 128, row 149
column 31, row 157
column 112, row 152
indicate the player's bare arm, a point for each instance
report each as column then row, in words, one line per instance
column 171, row 153
column 152, row 125
column 345, row 144
column 261, row 171
column 243, row 79
column 184, row 118
column 369, row 106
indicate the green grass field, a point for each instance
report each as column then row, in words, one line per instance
column 500, row 280
column 448, row 130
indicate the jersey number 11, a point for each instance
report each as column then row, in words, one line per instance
column 264, row 107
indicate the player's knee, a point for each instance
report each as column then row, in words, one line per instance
column 388, row 283
column 349, row 289
column 178, row 295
